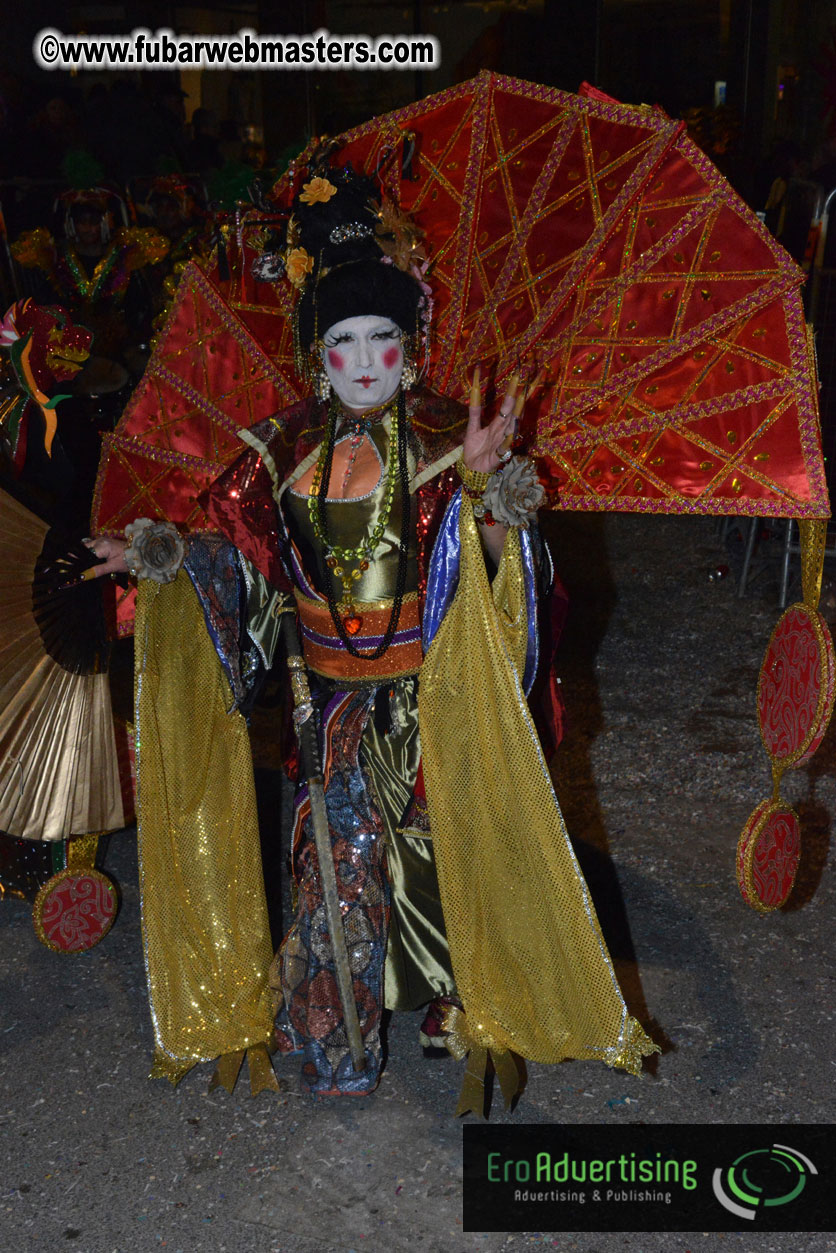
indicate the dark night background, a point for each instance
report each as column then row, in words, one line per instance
column 775, row 57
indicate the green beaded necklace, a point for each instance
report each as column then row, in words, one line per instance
column 337, row 556
column 90, row 288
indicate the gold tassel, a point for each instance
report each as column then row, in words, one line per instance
column 81, row 851
column 262, row 1076
column 227, row 1071
column 511, row 1082
column 472, row 1095
column 813, row 532
column 480, row 1051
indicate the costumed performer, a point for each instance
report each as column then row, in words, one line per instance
column 382, row 508
column 187, row 227
column 97, row 271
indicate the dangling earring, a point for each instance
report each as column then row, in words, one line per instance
column 409, row 374
column 320, row 380
column 322, row 384
column 409, row 377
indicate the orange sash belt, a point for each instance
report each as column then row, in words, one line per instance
column 326, row 654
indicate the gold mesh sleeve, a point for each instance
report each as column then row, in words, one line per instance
column 527, row 952
column 204, row 917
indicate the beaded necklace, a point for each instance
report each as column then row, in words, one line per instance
column 355, row 440
column 357, row 427
column 347, row 622
column 90, row 288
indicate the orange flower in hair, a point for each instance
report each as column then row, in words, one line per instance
column 317, row 191
column 298, row 265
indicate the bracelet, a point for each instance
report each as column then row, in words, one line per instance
column 473, row 480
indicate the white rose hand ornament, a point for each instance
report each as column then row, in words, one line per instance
column 154, row 550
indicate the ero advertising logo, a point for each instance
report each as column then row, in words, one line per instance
column 649, row 1177
column 761, row 1178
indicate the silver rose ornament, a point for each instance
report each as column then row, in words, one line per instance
column 155, row 550
column 514, row 493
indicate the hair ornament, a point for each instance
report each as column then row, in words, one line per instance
column 318, row 191
column 398, row 236
column 298, row 265
column 350, row 230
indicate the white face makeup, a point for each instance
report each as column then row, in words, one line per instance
column 363, row 359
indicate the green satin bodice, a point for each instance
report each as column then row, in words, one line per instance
column 349, row 522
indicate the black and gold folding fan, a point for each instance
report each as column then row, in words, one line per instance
column 58, row 762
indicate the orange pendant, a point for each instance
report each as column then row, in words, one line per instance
column 352, row 623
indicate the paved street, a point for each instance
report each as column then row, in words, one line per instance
column 662, row 766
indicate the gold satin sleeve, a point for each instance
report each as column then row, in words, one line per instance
column 526, row 947
column 204, row 918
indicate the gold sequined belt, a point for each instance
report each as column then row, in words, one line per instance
column 326, row 654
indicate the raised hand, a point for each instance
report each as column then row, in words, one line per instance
column 483, row 445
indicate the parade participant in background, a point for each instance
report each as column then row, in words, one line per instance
column 179, row 218
column 99, row 273
column 95, row 270
column 56, row 730
column 384, row 509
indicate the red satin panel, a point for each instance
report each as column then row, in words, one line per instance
column 581, row 236
column 211, row 374
column 597, row 240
